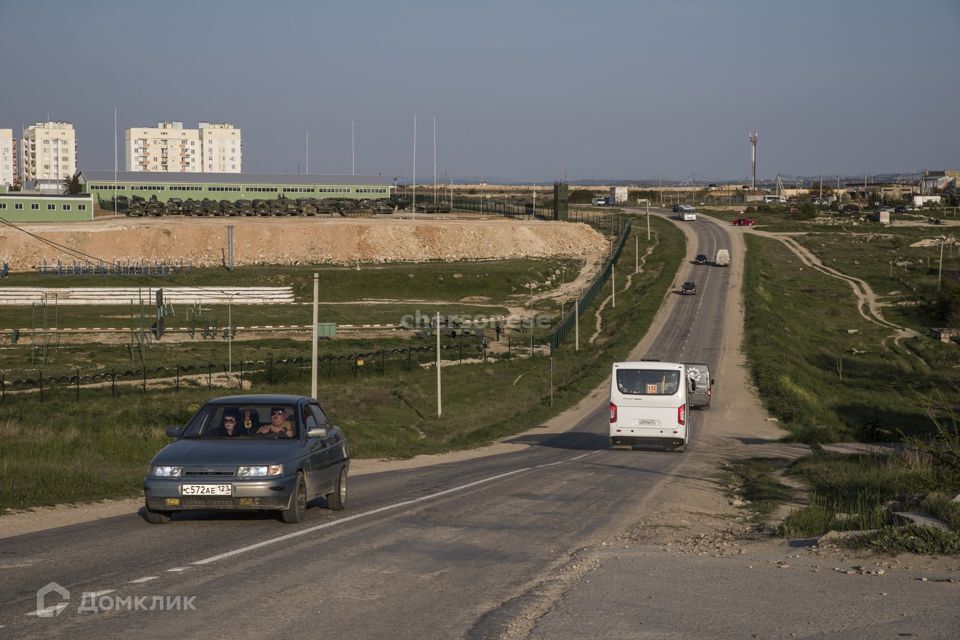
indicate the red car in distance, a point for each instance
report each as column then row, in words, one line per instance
column 744, row 222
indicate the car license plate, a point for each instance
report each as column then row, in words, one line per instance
column 206, row 489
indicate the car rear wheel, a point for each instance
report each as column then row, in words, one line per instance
column 298, row 503
column 337, row 500
column 156, row 517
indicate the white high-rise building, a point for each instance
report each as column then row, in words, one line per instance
column 49, row 151
column 8, row 157
column 167, row 147
column 222, row 148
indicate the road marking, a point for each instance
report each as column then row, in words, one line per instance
column 585, row 455
column 178, row 569
column 389, row 507
column 49, row 612
column 97, row 594
column 143, row 579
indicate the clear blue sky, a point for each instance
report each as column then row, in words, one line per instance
column 520, row 89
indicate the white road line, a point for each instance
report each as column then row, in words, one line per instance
column 389, row 507
column 177, row 569
column 143, row 579
column 49, row 612
column 97, row 594
column 590, row 453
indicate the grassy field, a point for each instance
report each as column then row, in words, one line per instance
column 823, row 370
column 100, row 447
column 906, row 276
column 450, row 281
column 830, row 375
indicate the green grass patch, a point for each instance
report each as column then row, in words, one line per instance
column 449, row 281
column 912, row 539
column 827, row 373
column 860, row 492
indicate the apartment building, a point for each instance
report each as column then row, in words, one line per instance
column 49, row 151
column 222, row 148
column 8, row 158
column 168, row 147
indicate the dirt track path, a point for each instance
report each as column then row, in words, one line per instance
column 868, row 305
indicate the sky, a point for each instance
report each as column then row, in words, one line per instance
column 520, row 90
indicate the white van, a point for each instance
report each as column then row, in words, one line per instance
column 648, row 404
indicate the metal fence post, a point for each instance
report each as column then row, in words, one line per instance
column 209, row 375
column 241, row 374
column 78, row 383
column 460, row 345
column 113, row 382
column 178, row 377
column 408, row 358
column 509, row 348
column 3, row 388
column 41, row 386
column 382, row 363
column 144, row 379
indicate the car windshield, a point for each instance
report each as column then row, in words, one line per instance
column 229, row 421
column 648, row 382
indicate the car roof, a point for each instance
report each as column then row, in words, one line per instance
column 259, row 398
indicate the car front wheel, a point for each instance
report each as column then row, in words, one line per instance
column 337, row 500
column 298, row 503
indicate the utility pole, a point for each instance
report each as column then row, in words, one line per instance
column 439, row 401
column 230, row 336
column 636, row 250
column 648, row 223
column 313, row 349
column 940, row 269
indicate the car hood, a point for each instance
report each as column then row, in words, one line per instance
column 188, row 452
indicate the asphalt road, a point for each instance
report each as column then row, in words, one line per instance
column 444, row 551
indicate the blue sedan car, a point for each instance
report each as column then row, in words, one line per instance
column 251, row 452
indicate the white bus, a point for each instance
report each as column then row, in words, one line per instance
column 775, row 199
column 648, row 404
column 686, row 212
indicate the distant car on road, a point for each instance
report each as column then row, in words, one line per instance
column 900, row 209
column 744, row 222
column 250, row 452
column 700, row 259
column 688, row 288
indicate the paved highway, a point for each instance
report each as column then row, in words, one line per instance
column 447, row 551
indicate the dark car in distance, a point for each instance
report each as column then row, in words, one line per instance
column 744, row 222
column 250, row 452
column 700, row 259
column 688, row 288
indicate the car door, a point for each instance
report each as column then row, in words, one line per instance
column 326, row 451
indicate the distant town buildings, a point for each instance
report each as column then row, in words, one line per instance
column 8, row 158
column 169, row 148
column 49, row 151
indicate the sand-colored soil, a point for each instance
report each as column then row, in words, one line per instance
column 203, row 242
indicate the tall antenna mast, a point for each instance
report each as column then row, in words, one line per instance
column 308, row 154
column 753, row 158
column 353, row 149
column 434, row 159
column 413, row 183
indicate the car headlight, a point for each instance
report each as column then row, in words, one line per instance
column 165, row 471
column 260, row 471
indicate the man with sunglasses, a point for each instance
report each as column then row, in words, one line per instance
column 279, row 424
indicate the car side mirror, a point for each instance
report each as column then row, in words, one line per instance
column 174, row 432
column 318, row 432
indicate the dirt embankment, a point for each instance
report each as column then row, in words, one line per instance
column 203, row 242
